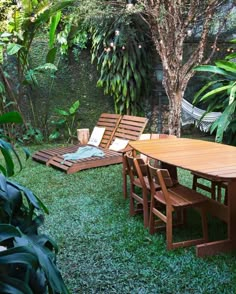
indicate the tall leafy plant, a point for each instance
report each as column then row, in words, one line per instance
column 66, row 123
column 27, row 257
column 28, row 19
column 119, row 45
column 220, row 94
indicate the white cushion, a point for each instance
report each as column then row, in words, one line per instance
column 96, row 136
column 118, row 144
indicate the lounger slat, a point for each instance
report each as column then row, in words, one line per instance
column 130, row 127
column 107, row 120
column 126, row 127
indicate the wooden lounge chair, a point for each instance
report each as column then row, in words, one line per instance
column 107, row 120
column 126, row 127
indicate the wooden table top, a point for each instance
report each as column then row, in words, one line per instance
column 210, row 158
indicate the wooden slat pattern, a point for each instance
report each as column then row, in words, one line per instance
column 216, row 160
column 110, row 122
column 107, row 120
column 130, row 127
column 72, row 166
column 126, row 127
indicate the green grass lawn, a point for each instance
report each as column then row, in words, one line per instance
column 104, row 250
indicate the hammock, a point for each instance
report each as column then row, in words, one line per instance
column 193, row 115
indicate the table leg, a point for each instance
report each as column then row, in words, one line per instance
column 228, row 245
column 124, row 175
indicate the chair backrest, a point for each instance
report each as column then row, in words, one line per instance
column 109, row 122
column 130, row 127
column 160, row 177
column 136, row 168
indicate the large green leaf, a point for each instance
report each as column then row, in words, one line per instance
column 47, row 67
column 46, row 263
column 226, row 65
column 9, row 285
column 1, row 54
column 8, row 232
column 10, row 117
column 6, row 149
column 33, row 199
column 54, row 23
column 232, row 93
column 13, row 48
column 216, row 91
column 62, row 112
column 74, row 108
column 51, row 56
column 19, row 254
column 55, row 135
column 223, row 122
column 210, row 68
column 198, row 95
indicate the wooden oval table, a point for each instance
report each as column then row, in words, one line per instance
column 214, row 159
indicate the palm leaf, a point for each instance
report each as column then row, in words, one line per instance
column 226, row 65
column 216, row 91
column 210, row 68
column 202, row 90
column 223, row 122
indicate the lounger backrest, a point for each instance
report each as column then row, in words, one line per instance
column 110, row 123
column 130, row 127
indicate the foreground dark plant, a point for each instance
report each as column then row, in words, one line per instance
column 27, row 257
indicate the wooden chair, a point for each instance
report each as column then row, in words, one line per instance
column 215, row 187
column 139, row 187
column 175, row 198
column 147, row 136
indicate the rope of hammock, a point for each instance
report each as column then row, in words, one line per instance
column 193, row 115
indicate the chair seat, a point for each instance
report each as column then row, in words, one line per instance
column 174, row 198
column 181, row 196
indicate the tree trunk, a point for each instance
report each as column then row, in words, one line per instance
column 175, row 107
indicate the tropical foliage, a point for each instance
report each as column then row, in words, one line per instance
column 66, row 123
column 8, row 167
column 27, row 258
column 120, row 46
column 219, row 94
column 27, row 20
